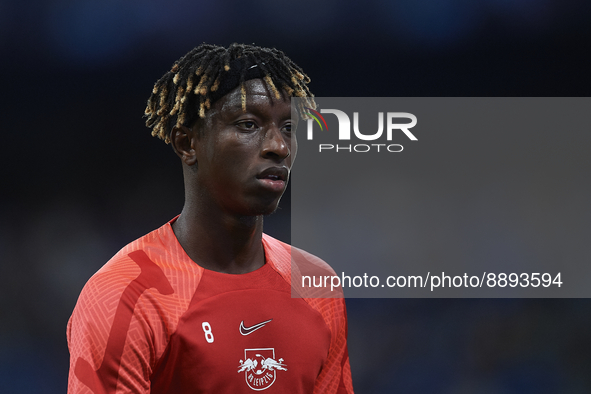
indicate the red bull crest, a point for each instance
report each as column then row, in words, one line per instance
column 259, row 367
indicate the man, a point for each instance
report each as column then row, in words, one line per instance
column 204, row 304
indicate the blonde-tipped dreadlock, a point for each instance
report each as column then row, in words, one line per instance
column 188, row 90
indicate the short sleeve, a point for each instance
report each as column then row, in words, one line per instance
column 335, row 376
column 111, row 337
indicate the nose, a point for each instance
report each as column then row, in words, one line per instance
column 276, row 145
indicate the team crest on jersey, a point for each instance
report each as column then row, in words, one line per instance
column 260, row 368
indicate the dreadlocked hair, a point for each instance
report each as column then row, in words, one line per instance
column 185, row 92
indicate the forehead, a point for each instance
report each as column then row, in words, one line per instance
column 258, row 96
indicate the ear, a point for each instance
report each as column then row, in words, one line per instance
column 183, row 141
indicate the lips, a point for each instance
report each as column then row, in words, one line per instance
column 274, row 178
column 274, row 174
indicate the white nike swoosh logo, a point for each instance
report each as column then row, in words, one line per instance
column 251, row 329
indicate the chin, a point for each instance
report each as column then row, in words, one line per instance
column 271, row 211
column 266, row 208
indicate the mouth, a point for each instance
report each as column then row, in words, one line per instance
column 274, row 178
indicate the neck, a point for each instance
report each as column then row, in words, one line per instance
column 220, row 241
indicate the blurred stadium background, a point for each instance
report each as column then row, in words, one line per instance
column 81, row 176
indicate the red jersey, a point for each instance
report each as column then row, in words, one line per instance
column 153, row 321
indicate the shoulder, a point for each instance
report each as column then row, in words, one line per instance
column 130, row 262
column 143, row 274
column 141, row 292
column 150, row 260
column 283, row 255
column 311, row 280
column 113, row 325
column 286, row 252
column 130, row 267
column 301, row 268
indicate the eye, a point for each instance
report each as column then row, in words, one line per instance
column 247, row 125
column 288, row 128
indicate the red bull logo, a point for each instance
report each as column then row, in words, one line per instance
column 259, row 367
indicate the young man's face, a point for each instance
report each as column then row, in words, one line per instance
column 244, row 158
